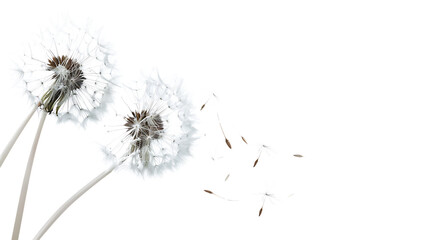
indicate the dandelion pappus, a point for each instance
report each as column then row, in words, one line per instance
column 217, row 195
column 264, row 197
column 261, row 149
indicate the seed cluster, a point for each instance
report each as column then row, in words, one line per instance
column 68, row 77
column 143, row 127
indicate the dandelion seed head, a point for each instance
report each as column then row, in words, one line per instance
column 157, row 129
column 68, row 72
column 143, row 127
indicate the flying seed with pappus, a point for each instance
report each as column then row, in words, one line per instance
column 263, row 201
column 221, row 128
column 259, row 154
column 214, row 194
column 202, row 107
column 228, row 143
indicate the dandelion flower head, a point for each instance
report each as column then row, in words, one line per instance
column 157, row 128
column 67, row 71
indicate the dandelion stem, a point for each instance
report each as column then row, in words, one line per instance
column 72, row 199
column 24, row 188
column 16, row 135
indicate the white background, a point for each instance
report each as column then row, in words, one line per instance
column 344, row 83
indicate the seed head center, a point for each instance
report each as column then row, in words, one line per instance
column 68, row 77
column 61, row 71
column 67, row 72
column 143, row 126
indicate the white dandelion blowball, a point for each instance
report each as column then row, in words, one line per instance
column 157, row 127
column 67, row 72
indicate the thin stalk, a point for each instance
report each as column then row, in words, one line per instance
column 72, row 199
column 21, row 204
column 16, row 135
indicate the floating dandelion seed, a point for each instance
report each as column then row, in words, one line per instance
column 264, row 197
column 66, row 72
column 261, row 149
column 202, row 107
column 228, row 143
column 221, row 128
column 244, row 140
column 158, row 132
column 217, row 195
column 298, row 155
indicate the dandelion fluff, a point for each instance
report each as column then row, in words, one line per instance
column 156, row 128
column 68, row 71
